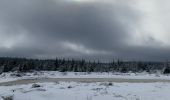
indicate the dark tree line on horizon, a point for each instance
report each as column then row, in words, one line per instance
column 8, row 64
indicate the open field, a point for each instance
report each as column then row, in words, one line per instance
column 88, row 91
column 83, row 86
column 85, row 80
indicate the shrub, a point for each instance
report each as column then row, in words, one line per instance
column 166, row 71
column 35, row 86
column 7, row 97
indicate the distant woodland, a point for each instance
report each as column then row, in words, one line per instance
column 8, row 64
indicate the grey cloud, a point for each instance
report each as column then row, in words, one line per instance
column 102, row 29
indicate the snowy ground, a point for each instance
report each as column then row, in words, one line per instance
column 53, row 74
column 89, row 91
column 86, row 91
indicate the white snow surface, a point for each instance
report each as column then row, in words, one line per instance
column 86, row 91
column 89, row 91
column 5, row 77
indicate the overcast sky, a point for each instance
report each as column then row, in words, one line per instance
column 91, row 29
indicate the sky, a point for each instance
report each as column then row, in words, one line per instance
column 89, row 29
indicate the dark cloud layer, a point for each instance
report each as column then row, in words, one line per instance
column 92, row 30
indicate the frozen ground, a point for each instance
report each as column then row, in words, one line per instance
column 53, row 74
column 60, row 90
column 88, row 91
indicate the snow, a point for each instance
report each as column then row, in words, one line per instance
column 54, row 74
column 89, row 91
column 5, row 77
column 86, row 91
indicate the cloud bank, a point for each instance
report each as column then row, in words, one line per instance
column 91, row 29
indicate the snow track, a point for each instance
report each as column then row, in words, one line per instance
column 86, row 80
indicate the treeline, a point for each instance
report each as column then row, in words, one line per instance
column 23, row 65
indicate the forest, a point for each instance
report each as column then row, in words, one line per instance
column 8, row 64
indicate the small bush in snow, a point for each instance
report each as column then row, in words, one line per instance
column 70, row 87
column 107, row 84
column 35, row 86
column 166, row 71
column 110, row 84
column 7, row 97
column 16, row 75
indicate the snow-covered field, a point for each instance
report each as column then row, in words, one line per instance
column 86, row 91
column 53, row 74
column 89, row 91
